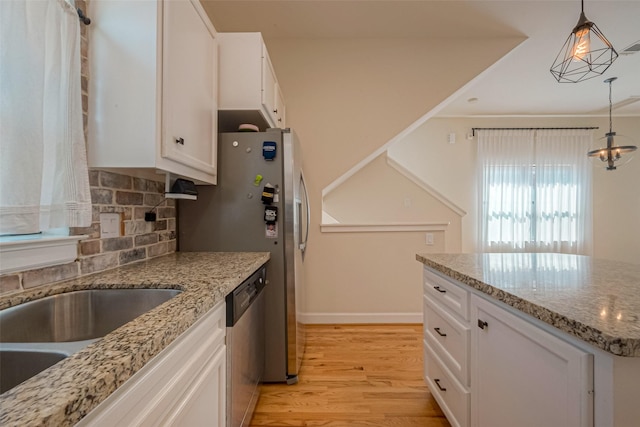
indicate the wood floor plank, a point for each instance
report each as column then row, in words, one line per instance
column 352, row 376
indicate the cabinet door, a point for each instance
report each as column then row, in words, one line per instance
column 269, row 87
column 204, row 403
column 279, row 110
column 189, row 100
column 524, row 376
column 184, row 383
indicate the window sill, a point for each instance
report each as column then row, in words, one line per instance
column 21, row 255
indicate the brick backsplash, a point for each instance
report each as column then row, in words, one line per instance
column 140, row 240
column 110, row 192
column 131, row 197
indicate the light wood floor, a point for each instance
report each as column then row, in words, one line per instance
column 364, row 375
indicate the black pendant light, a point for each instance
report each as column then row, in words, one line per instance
column 586, row 54
column 612, row 155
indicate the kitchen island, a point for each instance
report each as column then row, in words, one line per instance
column 69, row 390
column 555, row 338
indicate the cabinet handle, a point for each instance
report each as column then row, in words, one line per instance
column 437, row 288
column 439, row 333
column 275, row 111
column 180, row 141
column 437, row 381
column 279, row 120
column 482, row 324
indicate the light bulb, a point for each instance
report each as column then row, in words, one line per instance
column 582, row 46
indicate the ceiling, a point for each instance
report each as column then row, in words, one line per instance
column 520, row 84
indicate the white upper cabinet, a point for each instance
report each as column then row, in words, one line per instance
column 279, row 109
column 153, row 88
column 247, row 82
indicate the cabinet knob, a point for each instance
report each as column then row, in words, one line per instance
column 482, row 324
column 442, row 291
column 439, row 333
column 275, row 111
column 279, row 120
column 437, row 381
column 180, row 141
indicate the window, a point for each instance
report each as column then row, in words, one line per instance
column 44, row 186
column 535, row 191
column 43, row 175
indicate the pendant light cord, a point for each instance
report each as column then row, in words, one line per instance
column 610, row 122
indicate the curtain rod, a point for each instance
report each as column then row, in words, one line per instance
column 473, row 130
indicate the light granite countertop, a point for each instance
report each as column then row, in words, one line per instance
column 595, row 300
column 66, row 392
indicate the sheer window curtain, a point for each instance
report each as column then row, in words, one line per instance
column 506, row 182
column 563, row 191
column 44, row 179
column 534, row 191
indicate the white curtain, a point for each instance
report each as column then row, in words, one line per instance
column 563, row 191
column 534, row 191
column 43, row 177
column 506, row 184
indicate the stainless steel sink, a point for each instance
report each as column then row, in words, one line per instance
column 17, row 366
column 38, row 334
column 79, row 315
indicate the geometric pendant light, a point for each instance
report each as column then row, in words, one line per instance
column 586, row 54
column 612, row 155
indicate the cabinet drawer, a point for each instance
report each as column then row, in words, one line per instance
column 449, row 338
column 447, row 293
column 452, row 397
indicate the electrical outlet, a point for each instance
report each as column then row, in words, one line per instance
column 429, row 239
column 109, row 225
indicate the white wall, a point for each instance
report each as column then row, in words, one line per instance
column 346, row 98
column 616, row 194
column 380, row 194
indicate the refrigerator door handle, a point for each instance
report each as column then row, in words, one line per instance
column 303, row 186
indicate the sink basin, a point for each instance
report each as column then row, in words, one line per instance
column 17, row 366
column 79, row 315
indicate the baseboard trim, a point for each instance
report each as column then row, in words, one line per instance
column 346, row 318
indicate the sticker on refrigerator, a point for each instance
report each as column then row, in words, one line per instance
column 269, row 150
column 270, row 214
column 268, row 193
column 271, row 231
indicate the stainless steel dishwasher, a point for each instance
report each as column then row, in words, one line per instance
column 245, row 348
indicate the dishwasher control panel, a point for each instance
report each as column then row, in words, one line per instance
column 242, row 296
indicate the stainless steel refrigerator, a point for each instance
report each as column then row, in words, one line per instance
column 257, row 172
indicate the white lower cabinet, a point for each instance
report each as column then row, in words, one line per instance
column 446, row 346
column 487, row 367
column 184, row 385
column 524, row 376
